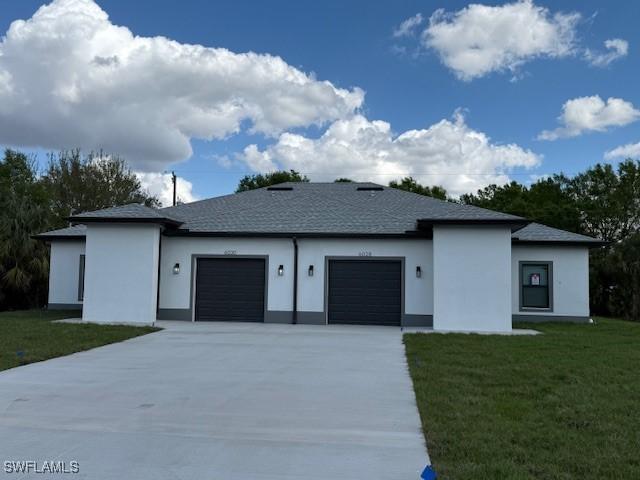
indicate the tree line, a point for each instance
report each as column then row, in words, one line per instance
column 602, row 202
column 32, row 202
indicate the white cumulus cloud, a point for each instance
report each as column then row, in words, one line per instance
column 71, row 78
column 161, row 186
column 615, row 48
column 631, row 150
column 448, row 153
column 408, row 27
column 480, row 39
column 586, row 114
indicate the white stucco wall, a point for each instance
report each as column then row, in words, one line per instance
column 175, row 290
column 472, row 271
column 176, row 293
column 570, row 278
column 121, row 273
column 418, row 291
column 64, row 265
column 470, row 275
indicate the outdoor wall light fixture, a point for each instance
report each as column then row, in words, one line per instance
column 311, row 270
column 418, row 271
column 281, row 270
column 176, row 269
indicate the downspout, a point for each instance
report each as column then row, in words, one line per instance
column 158, row 273
column 295, row 279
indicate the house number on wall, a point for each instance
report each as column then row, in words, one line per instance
column 364, row 254
column 230, row 252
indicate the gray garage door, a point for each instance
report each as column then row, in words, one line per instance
column 230, row 289
column 365, row 292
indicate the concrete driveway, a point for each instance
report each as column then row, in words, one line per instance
column 221, row 401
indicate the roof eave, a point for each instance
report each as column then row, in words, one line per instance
column 160, row 221
column 187, row 233
column 566, row 243
column 46, row 238
column 514, row 224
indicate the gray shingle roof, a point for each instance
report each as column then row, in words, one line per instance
column 323, row 208
column 317, row 208
column 129, row 212
column 75, row 231
column 536, row 232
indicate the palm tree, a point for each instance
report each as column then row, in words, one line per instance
column 23, row 211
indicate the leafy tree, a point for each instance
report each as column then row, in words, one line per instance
column 31, row 204
column 409, row 184
column 615, row 279
column 23, row 211
column 510, row 198
column 78, row 184
column 609, row 200
column 251, row 182
column 550, row 203
column 625, row 298
column 343, row 180
column 547, row 201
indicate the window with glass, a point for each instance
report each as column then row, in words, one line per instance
column 535, row 285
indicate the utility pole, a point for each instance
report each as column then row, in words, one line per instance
column 174, row 179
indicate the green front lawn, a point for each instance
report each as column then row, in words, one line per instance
column 31, row 336
column 563, row 405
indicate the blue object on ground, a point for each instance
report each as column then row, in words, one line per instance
column 428, row 473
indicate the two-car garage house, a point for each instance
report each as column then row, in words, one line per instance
column 319, row 253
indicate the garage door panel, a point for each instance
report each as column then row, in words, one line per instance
column 230, row 289
column 365, row 292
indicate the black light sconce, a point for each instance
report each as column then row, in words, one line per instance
column 310, row 272
column 176, row 269
column 281, row 270
column 418, row 272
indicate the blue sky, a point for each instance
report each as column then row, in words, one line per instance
column 406, row 81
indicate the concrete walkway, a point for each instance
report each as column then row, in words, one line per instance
column 221, row 401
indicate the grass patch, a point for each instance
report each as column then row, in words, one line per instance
column 563, row 405
column 30, row 336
